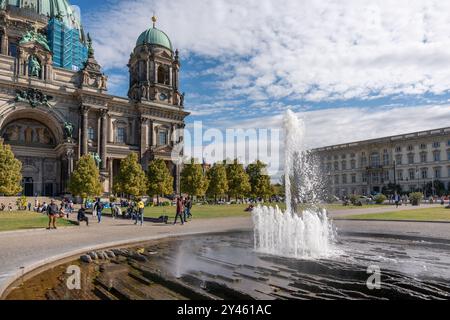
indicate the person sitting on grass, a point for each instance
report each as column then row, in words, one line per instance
column 52, row 212
column 82, row 216
column 250, row 208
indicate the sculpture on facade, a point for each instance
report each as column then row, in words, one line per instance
column 68, row 129
column 35, row 67
column 96, row 158
column 34, row 97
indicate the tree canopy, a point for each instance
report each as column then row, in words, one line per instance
column 238, row 180
column 193, row 181
column 85, row 180
column 10, row 172
column 218, row 183
column 131, row 179
column 259, row 180
column 160, row 181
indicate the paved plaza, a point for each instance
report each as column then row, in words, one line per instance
column 24, row 251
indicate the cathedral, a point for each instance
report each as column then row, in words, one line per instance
column 55, row 106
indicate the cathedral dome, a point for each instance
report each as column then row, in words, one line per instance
column 154, row 36
column 60, row 9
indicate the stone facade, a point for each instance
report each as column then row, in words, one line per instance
column 52, row 116
column 410, row 160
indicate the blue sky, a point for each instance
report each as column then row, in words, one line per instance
column 352, row 69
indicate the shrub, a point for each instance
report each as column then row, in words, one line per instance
column 380, row 199
column 416, row 198
column 354, row 199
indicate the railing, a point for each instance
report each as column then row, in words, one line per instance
column 27, row 13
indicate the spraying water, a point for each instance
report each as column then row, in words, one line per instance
column 296, row 233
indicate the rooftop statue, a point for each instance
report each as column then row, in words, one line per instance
column 33, row 35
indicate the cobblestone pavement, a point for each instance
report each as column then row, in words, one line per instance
column 24, row 251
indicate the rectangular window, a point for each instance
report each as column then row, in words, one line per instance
column 410, row 158
column 336, row 179
column 364, row 177
column 437, row 173
column 436, row 144
column 398, row 159
column 336, row 166
column 353, row 178
column 412, row 174
column 448, row 155
column 344, row 165
column 163, row 138
column 423, row 157
column 353, row 164
column 91, row 134
column 120, row 135
column 12, row 51
column 344, row 178
column 400, row 175
column 424, row 173
column 437, row 156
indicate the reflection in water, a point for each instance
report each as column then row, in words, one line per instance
column 226, row 266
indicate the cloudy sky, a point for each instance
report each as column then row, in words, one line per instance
column 353, row 69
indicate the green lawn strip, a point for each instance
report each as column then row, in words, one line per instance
column 10, row 221
column 428, row 214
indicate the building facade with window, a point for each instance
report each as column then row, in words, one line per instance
column 55, row 109
column 412, row 161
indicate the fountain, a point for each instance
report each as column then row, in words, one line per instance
column 303, row 231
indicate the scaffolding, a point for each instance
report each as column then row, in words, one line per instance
column 69, row 51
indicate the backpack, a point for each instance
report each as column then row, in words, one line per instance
column 100, row 206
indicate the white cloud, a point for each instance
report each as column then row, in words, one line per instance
column 312, row 50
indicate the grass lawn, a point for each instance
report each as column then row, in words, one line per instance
column 198, row 211
column 426, row 214
column 222, row 211
column 27, row 220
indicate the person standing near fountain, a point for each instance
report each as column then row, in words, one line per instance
column 52, row 212
column 180, row 210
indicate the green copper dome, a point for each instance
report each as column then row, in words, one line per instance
column 155, row 37
column 50, row 8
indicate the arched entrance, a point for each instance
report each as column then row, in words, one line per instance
column 36, row 139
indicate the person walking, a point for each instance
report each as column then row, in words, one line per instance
column 187, row 209
column 140, row 212
column 397, row 200
column 98, row 208
column 52, row 212
column 179, row 212
column 82, row 216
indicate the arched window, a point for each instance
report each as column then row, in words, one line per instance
column 91, row 134
column 161, row 75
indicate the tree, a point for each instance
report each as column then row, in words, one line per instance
column 193, row 181
column 85, row 180
column 238, row 180
column 218, row 183
column 160, row 181
column 259, row 180
column 131, row 179
column 436, row 187
column 10, row 172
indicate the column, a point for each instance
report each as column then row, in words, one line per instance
column 69, row 162
column 4, row 44
column 143, row 137
column 152, row 134
column 84, row 112
column 103, row 138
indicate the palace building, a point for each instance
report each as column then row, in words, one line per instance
column 54, row 105
column 411, row 161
